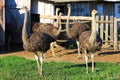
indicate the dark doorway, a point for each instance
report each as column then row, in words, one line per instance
column 34, row 18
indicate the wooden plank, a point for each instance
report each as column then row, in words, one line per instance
column 101, row 28
column 111, row 29
column 106, row 31
column 99, row 21
column 115, row 34
column 71, row 22
column 108, row 42
column 65, row 17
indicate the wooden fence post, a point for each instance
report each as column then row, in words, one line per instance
column 115, row 34
column 106, row 32
column 112, row 29
column 101, row 27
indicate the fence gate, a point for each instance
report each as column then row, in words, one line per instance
column 105, row 26
column 117, row 32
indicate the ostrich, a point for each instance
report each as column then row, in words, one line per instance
column 50, row 29
column 76, row 30
column 38, row 41
column 90, row 41
column 41, row 26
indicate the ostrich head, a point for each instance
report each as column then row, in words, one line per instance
column 94, row 12
column 57, row 10
column 68, row 5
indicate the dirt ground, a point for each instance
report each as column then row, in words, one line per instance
column 68, row 55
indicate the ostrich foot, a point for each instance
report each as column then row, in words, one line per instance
column 92, row 69
column 87, row 72
column 41, row 74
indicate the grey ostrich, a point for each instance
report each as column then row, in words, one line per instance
column 50, row 29
column 76, row 30
column 90, row 41
column 37, row 41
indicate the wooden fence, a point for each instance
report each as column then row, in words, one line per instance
column 108, row 28
column 105, row 26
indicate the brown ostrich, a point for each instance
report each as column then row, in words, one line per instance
column 90, row 41
column 38, row 41
column 50, row 29
column 76, row 30
column 42, row 26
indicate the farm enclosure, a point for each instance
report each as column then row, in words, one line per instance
column 79, row 8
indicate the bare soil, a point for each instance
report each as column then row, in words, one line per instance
column 68, row 55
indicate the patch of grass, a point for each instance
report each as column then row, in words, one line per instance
column 19, row 68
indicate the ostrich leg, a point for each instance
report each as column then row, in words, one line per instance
column 78, row 48
column 38, row 63
column 92, row 58
column 51, row 47
column 41, row 59
column 86, row 59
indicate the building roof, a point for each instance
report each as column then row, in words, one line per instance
column 61, row 1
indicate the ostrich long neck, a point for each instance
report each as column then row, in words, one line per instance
column 93, row 30
column 60, row 27
column 57, row 16
column 67, row 23
column 24, row 32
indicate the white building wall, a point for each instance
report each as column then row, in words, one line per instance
column 42, row 8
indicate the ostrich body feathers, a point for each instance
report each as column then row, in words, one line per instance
column 85, row 43
column 38, row 42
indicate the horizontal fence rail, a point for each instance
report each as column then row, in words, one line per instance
column 65, row 17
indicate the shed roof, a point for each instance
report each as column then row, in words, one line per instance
column 61, row 1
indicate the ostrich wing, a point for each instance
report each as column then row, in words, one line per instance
column 40, row 42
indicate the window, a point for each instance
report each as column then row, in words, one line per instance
column 119, row 8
